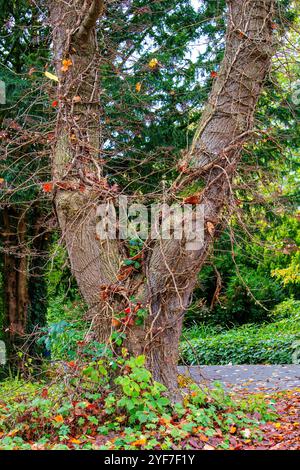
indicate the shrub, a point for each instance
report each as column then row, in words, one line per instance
column 249, row 344
column 289, row 308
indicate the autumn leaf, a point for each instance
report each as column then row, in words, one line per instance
column 13, row 432
column 47, row 187
column 76, row 99
column 51, row 76
column 208, row 447
column 153, row 64
column 139, row 442
column 75, row 441
column 31, row 71
column 210, row 228
column 124, row 272
column 50, row 136
column 138, row 87
column 59, row 419
column 193, row 199
column 66, row 64
column 183, row 166
column 213, row 74
column 115, row 322
column 44, row 393
column 124, row 352
column 232, row 430
column 54, row 103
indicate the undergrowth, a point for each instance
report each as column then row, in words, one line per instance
column 103, row 402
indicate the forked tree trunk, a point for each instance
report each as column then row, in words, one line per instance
column 227, row 122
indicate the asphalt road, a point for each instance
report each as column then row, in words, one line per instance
column 255, row 378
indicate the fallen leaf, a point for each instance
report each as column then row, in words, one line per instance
column 138, row 87
column 75, row 441
column 232, row 430
column 139, row 442
column 208, row 447
column 59, row 419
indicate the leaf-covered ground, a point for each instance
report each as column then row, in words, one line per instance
column 38, row 418
column 107, row 401
column 284, row 434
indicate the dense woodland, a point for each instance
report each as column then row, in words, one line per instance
column 187, row 102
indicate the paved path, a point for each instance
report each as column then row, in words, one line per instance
column 255, row 378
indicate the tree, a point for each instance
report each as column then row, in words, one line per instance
column 169, row 269
column 23, row 121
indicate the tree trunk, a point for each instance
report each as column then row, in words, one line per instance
column 170, row 268
column 37, row 281
column 15, row 273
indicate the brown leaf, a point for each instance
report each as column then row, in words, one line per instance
column 210, row 228
column 194, row 199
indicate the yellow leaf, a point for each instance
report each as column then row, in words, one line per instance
column 277, row 425
column 232, row 430
column 120, row 419
column 138, row 87
column 139, row 442
column 75, row 441
column 153, row 63
column 124, row 352
column 51, row 76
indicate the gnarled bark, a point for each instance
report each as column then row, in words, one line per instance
column 227, row 122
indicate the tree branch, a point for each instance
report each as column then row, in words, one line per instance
column 90, row 18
